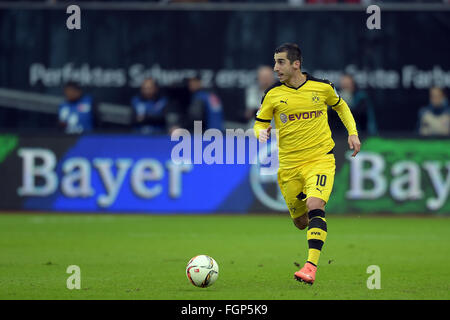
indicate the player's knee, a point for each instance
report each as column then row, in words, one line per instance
column 301, row 222
column 300, row 225
column 315, row 203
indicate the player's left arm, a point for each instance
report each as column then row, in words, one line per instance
column 342, row 109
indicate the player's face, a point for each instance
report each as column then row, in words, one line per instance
column 346, row 84
column 148, row 89
column 194, row 85
column 436, row 97
column 265, row 77
column 72, row 94
column 283, row 67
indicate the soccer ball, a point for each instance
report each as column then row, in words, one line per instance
column 202, row 271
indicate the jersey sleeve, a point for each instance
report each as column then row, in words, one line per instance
column 333, row 98
column 264, row 115
column 63, row 112
column 342, row 109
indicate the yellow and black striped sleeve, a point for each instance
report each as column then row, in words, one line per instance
column 342, row 109
column 264, row 115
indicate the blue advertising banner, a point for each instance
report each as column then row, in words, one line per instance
column 134, row 174
column 207, row 174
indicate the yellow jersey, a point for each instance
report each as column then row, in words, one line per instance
column 301, row 119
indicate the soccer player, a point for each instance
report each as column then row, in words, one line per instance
column 205, row 105
column 298, row 103
column 78, row 113
column 149, row 109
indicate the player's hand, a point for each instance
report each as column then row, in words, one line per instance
column 354, row 144
column 264, row 134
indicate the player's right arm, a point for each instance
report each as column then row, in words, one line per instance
column 63, row 115
column 263, row 118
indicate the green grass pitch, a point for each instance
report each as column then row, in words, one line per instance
column 144, row 257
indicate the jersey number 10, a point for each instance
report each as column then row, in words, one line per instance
column 321, row 180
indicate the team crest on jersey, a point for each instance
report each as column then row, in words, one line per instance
column 315, row 97
column 83, row 107
column 283, row 118
column 214, row 102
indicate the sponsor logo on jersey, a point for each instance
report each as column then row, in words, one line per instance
column 214, row 102
column 84, row 107
column 304, row 115
column 283, row 118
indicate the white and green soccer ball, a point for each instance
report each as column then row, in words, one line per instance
column 202, row 271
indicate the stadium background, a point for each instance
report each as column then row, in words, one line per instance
column 398, row 173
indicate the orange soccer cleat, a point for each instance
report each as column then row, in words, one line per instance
column 307, row 274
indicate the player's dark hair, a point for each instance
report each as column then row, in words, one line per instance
column 292, row 50
column 196, row 76
column 350, row 76
column 72, row 84
column 152, row 80
column 441, row 89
